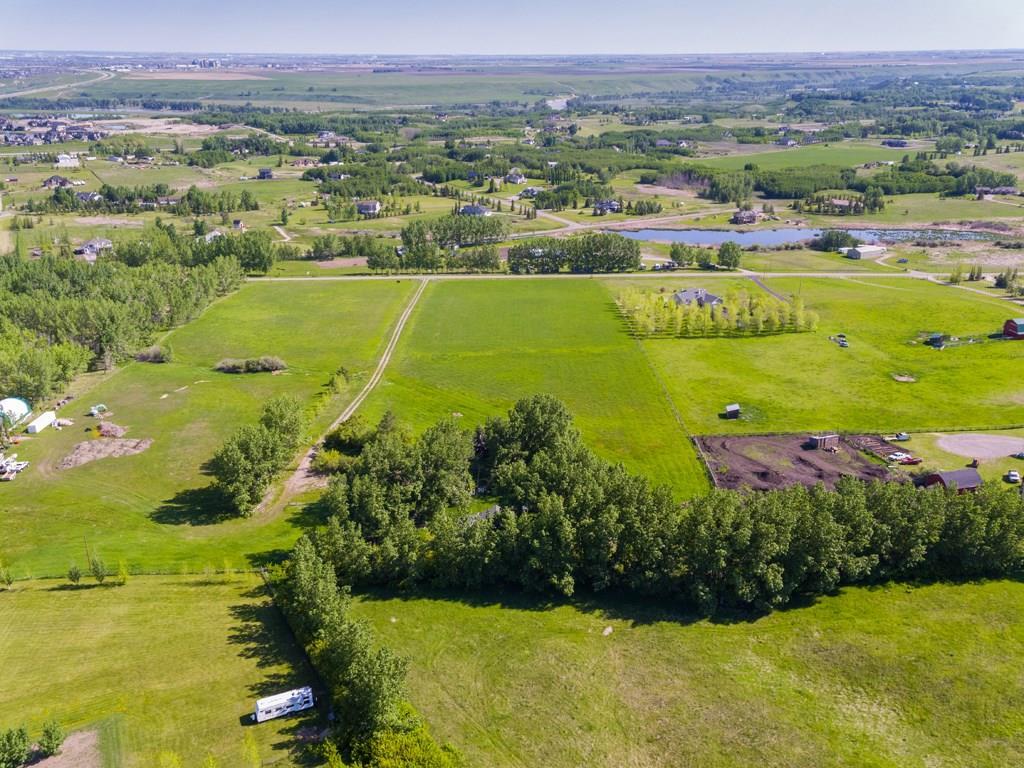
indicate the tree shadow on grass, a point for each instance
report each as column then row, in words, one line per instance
column 194, row 506
column 262, row 634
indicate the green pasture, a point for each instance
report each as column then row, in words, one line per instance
column 160, row 664
column 473, row 347
column 153, row 509
column 796, row 382
column 890, row 677
column 845, row 153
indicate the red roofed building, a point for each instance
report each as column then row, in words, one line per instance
column 1014, row 329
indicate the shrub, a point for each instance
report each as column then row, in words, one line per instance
column 14, row 748
column 98, row 568
column 154, row 354
column 251, row 365
column 328, row 462
column 74, row 574
column 52, row 739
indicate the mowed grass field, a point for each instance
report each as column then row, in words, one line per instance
column 797, row 382
column 476, row 346
column 152, row 509
column 161, row 664
column 895, row 677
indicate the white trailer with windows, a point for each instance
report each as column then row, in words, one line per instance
column 283, row 704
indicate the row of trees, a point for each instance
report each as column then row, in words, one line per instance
column 843, row 204
column 246, row 464
column 59, row 316
column 254, row 251
column 567, row 520
column 376, row 727
column 740, row 313
column 726, row 256
column 589, row 253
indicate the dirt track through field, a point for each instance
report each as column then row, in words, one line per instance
column 303, row 478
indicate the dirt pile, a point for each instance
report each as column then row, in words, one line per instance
column 103, row 448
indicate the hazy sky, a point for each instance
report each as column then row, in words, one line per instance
column 509, row 26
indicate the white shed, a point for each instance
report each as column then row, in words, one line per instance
column 41, row 422
column 285, row 703
column 865, row 252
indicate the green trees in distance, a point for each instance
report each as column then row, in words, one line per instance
column 247, row 462
column 592, row 252
column 567, row 520
column 833, row 240
column 737, row 313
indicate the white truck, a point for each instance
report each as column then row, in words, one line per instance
column 285, row 703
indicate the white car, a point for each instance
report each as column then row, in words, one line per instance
column 1013, row 476
column 898, row 455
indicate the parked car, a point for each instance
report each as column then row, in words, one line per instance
column 1013, row 476
column 844, row 343
column 901, row 437
column 1019, row 455
column 899, row 456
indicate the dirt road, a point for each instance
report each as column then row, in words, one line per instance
column 303, row 478
column 60, row 87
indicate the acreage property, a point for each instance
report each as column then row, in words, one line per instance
column 162, row 667
column 475, row 346
column 153, row 509
column 885, row 380
column 880, row 678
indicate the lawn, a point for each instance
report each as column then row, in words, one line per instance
column 475, row 346
column 150, row 509
column 161, row 664
column 799, row 382
column 846, row 154
column 886, row 677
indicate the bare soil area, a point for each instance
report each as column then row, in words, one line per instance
column 357, row 261
column 767, row 462
column 979, row 446
column 80, row 750
column 103, row 448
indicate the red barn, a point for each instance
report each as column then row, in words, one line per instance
column 1014, row 329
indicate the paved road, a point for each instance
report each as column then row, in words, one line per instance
column 607, row 276
column 60, row 87
column 303, row 478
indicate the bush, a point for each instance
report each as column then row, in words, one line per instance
column 251, row 365
column 52, row 739
column 14, row 748
column 154, row 354
column 328, row 462
column 74, row 574
column 98, row 568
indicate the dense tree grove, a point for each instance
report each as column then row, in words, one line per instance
column 254, row 251
column 59, row 316
column 592, row 252
column 248, row 461
column 740, row 313
column 566, row 520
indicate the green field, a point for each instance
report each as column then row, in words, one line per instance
column 151, row 509
column 888, row 677
column 475, row 346
column 846, row 154
column 162, row 664
column 796, row 382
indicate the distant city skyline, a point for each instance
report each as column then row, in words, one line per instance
column 527, row 27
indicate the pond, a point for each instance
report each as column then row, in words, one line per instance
column 784, row 235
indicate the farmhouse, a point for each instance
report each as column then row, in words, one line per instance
column 702, row 298
column 1014, row 329
column 265, row 173
column 90, row 249
column 89, row 197
column 786, row 142
column 368, row 207
column 56, row 181
column 962, row 479
column 865, row 252
column 744, row 217
column 474, row 210
column 602, row 207
column 515, row 176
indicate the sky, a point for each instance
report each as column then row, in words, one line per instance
column 509, row 26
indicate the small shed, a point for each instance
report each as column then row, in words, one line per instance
column 732, row 411
column 265, row 173
column 825, row 442
column 41, row 422
column 865, row 252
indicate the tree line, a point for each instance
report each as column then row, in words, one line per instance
column 59, row 317
column 566, row 520
column 589, row 253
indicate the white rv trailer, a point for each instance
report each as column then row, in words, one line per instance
column 283, row 703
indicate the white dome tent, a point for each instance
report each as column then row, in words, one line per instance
column 14, row 410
